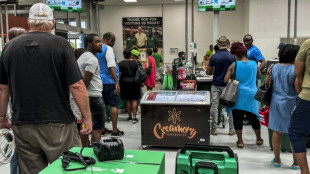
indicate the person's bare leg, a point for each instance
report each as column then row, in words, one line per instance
column 276, row 144
column 149, row 88
column 259, row 140
column 96, row 135
column 239, row 136
column 134, row 108
column 295, row 163
column 114, row 117
column 303, row 163
column 128, row 107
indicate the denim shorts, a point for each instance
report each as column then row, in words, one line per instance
column 110, row 98
column 97, row 109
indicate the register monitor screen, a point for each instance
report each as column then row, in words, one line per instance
column 216, row 5
column 65, row 5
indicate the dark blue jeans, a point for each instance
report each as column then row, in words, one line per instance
column 300, row 125
column 14, row 164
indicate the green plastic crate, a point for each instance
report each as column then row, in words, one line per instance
column 197, row 159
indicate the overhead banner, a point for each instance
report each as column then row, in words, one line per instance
column 143, row 32
column 144, row 21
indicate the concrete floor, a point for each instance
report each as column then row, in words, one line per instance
column 252, row 158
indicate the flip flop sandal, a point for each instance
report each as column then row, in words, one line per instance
column 107, row 131
column 295, row 167
column 118, row 133
column 259, row 142
column 240, row 146
column 274, row 164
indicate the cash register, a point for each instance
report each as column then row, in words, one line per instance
column 175, row 65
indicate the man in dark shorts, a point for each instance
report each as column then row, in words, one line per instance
column 38, row 70
column 109, row 73
column 89, row 67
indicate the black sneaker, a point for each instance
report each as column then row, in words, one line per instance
column 129, row 118
column 107, row 131
column 135, row 120
column 117, row 134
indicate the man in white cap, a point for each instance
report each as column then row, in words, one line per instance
column 38, row 70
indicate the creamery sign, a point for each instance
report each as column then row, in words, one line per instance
column 174, row 129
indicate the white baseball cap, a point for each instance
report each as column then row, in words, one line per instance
column 40, row 11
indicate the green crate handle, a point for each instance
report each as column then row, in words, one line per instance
column 208, row 148
column 206, row 165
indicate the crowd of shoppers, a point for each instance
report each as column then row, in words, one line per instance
column 39, row 80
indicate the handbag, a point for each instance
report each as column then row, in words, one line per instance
column 264, row 116
column 229, row 95
column 149, row 69
column 140, row 76
column 264, row 92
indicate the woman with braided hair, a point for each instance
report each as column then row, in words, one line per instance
column 246, row 73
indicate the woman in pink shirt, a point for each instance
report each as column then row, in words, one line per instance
column 150, row 66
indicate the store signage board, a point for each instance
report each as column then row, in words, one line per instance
column 193, row 47
column 216, row 5
column 65, row 5
column 7, row 1
column 130, row 26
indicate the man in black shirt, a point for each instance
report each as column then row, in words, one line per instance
column 38, row 69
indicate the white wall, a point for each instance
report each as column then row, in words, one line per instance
column 233, row 24
column 268, row 23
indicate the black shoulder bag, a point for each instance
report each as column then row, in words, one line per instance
column 140, row 76
column 264, row 92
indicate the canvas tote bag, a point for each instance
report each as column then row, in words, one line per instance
column 230, row 92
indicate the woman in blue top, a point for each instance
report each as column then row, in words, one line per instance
column 283, row 99
column 246, row 73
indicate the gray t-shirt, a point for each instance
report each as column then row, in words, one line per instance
column 89, row 62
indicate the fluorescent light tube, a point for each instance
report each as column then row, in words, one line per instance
column 130, row 0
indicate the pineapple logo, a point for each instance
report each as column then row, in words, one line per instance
column 174, row 116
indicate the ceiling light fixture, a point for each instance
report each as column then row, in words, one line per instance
column 130, row 0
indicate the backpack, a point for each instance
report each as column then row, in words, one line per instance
column 140, row 76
